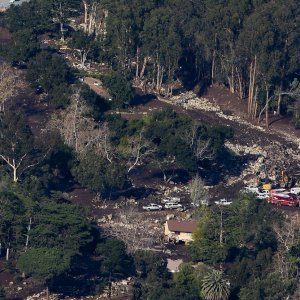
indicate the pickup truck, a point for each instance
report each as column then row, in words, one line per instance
column 263, row 195
column 152, row 206
column 223, row 202
column 251, row 189
column 170, row 200
column 171, row 205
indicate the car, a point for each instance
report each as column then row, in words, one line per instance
column 152, row 206
column 171, row 205
column 223, row 202
column 201, row 202
column 251, row 189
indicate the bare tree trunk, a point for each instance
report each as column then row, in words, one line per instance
column 255, row 104
column 15, row 179
column 252, row 78
column 137, row 63
column 92, row 20
column 158, row 78
column 213, row 62
column 27, row 236
column 7, row 252
column 267, row 107
column 143, row 67
column 279, row 99
column 47, row 293
column 213, row 67
column 61, row 23
column 250, row 97
column 240, row 85
column 74, row 125
column 231, row 81
column 86, row 7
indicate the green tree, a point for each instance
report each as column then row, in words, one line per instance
column 12, row 223
column 272, row 287
column 44, row 263
column 153, row 277
column 115, row 261
column 99, row 175
column 82, row 43
column 51, row 73
column 16, row 143
column 215, row 286
column 61, row 225
column 119, row 86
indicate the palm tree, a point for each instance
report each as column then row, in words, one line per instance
column 215, row 286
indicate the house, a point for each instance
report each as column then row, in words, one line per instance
column 179, row 231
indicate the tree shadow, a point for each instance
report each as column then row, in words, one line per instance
column 226, row 165
column 82, row 280
column 141, row 99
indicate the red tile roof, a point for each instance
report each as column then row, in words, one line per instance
column 182, row 226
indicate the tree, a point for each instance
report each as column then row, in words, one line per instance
column 16, row 143
column 44, row 263
column 273, row 286
column 82, row 43
column 120, row 88
column 50, row 72
column 9, row 84
column 153, row 277
column 198, row 193
column 115, row 260
column 185, row 284
column 96, row 173
column 63, row 226
column 215, row 287
column 12, row 223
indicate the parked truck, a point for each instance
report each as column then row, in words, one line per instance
column 284, row 199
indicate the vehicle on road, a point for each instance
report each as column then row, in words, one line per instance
column 251, row 189
column 171, row 205
column 284, row 200
column 263, row 195
column 202, row 202
column 223, row 202
column 170, row 200
column 152, row 206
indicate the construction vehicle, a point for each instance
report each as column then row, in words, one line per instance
column 285, row 180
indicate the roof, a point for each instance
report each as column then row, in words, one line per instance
column 173, row 264
column 182, row 226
